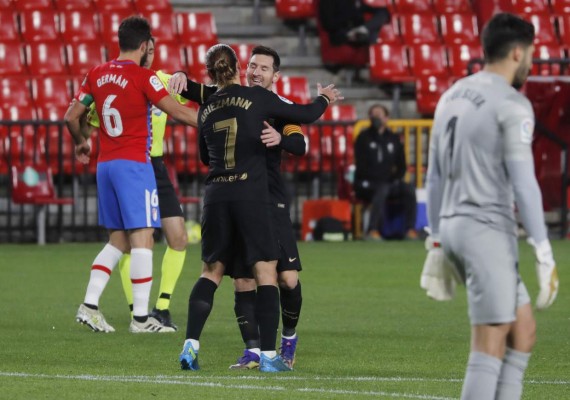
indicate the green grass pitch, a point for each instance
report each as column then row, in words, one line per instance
column 366, row 331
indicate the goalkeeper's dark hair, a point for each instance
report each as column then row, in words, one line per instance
column 502, row 33
column 222, row 64
column 268, row 51
column 133, row 31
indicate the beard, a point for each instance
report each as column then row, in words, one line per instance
column 144, row 58
column 521, row 74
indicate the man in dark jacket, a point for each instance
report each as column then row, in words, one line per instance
column 380, row 170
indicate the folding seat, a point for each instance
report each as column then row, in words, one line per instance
column 53, row 90
column 485, row 9
column 46, row 58
column 547, row 52
column 389, row 63
column 529, row 7
column 429, row 89
column 12, row 58
column 199, row 27
column 51, row 111
column 152, row 5
column 6, row 5
column 38, row 26
column 390, row 33
column 243, row 52
column 196, row 58
column 34, row 5
column 428, row 59
column 419, row 28
column 169, row 57
column 413, row 6
column 24, row 144
column 543, row 28
column 9, row 25
column 109, row 25
column 379, row 3
column 452, row 7
column 78, row 26
column 295, row 9
column 60, row 151
column 73, row 5
column 564, row 28
column 294, row 88
column 163, row 25
column 338, row 139
column 460, row 55
column 183, row 149
column 459, row 28
column 81, row 57
column 15, row 91
column 104, row 6
column 560, row 7
column 344, row 55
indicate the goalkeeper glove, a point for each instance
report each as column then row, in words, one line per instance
column 546, row 273
column 439, row 277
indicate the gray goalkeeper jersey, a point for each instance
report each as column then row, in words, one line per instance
column 480, row 124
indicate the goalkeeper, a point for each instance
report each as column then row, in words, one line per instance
column 480, row 164
column 171, row 216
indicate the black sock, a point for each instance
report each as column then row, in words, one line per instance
column 91, row 306
column 245, row 314
column 199, row 307
column 140, row 319
column 291, row 301
column 267, row 313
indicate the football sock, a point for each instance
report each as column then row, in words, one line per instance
column 172, row 264
column 141, row 279
column 291, row 301
column 199, row 307
column 125, row 271
column 481, row 377
column 269, row 353
column 267, row 313
column 510, row 383
column 101, row 270
column 244, row 308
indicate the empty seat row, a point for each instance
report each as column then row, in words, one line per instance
column 99, row 5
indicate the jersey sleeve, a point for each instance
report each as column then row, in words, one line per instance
column 276, row 107
column 198, row 92
column 516, row 119
column 164, row 78
column 92, row 117
column 152, row 87
column 84, row 95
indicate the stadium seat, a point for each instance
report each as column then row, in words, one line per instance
column 564, row 29
column 336, row 141
column 144, row 6
column 196, row 57
column 560, row 7
column 548, row 52
column 485, row 9
column 8, row 21
column 543, row 28
column 389, row 63
column 428, row 59
column 18, row 113
column 413, row 6
column 38, row 26
column 15, row 91
column 46, row 58
column 51, row 90
column 6, row 5
column 78, row 26
column 294, row 88
column 12, row 58
column 109, row 25
column 429, row 89
column 390, row 33
column 419, row 28
column 73, row 5
column 460, row 55
column 529, row 7
column 295, row 9
column 459, row 28
column 81, row 57
column 344, row 55
column 380, row 3
column 60, row 152
column 452, row 7
column 32, row 5
column 196, row 28
column 163, row 25
column 51, row 111
column 243, row 52
column 104, row 6
column 169, row 57
column 182, row 148
column 313, row 210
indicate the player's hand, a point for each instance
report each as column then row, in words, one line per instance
column 269, row 136
column 546, row 274
column 330, row 91
column 83, row 152
column 177, row 83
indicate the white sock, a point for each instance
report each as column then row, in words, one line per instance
column 255, row 350
column 101, row 270
column 510, row 383
column 194, row 342
column 269, row 354
column 481, row 377
column 141, row 278
column 289, row 337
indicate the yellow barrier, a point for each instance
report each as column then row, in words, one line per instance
column 417, row 129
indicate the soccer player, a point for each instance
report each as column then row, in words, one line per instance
column 263, row 70
column 123, row 92
column 171, row 216
column 236, row 202
column 480, row 161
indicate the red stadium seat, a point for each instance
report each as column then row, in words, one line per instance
column 429, row 89
column 560, row 7
column 18, row 113
column 6, row 5
column 109, row 25
column 196, row 57
column 9, row 25
column 295, row 9
column 60, row 151
column 104, row 6
column 32, row 5
column 564, row 29
column 169, row 57
column 24, row 144
column 547, row 52
column 182, row 148
column 379, row 3
column 530, row 7
column 163, row 25
column 390, row 33
column 419, row 28
column 543, row 28
column 413, row 6
column 485, row 9
column 152, row 5
column 243, row 52
column 81, row 57
column 389, row 63
column 15, row 91
column 294, row 88
column 428, row 59
column 336, row 141
column 197, row 27
column 344, row 55
column 51, row 112
column 452, row 7
column 73, row 5
column 12, row 58
column 460, row 55
column 54, row 90
column 459, row 28
column 37, row 26
column 46, row 58
column 78, row 26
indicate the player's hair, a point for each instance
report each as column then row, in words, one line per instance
column 268, row 51
column 133, row 31
column 222, row 64
column 378, row 105
column 502, row 33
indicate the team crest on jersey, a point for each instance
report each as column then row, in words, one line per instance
column 156, row 83
column 284, row 99
column 527, row 129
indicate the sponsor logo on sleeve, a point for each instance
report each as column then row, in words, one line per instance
column 156, row 83
column 527, row 129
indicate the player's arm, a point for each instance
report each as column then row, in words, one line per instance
column 180, row 113
column 434, row 182
column 187, row 88
column 291, row 140
column 72, row 119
